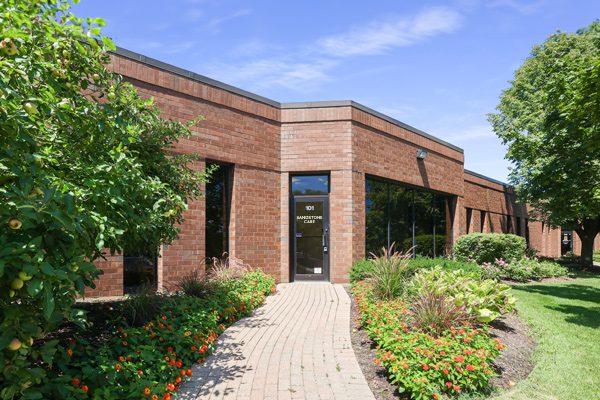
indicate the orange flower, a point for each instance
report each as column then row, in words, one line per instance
column 118, row 367
column 188, row 372
column 470, row 367
column 75, row 382
column 154, row 397
column 121, row 358
column 84, row 388
column 70, row 352
column 140, row 372
column 170, row 387
column 167, row 396
column 178, row 379
column 147, row 391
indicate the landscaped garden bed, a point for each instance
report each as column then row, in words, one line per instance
column 439, row 327
column 146, row 348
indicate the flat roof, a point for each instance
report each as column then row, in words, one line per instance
column 244, row 93
column 487, row 178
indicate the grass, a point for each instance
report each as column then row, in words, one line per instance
column 565, row 321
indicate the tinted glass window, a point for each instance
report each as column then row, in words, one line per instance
column 139, row 270
column 217, row 198
column 310, row 184
column 376, row 229
column 407, row 217
column 400, row 220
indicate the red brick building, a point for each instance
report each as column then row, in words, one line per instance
column 303, row 189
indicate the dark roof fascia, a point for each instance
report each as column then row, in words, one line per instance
column 368, row 110
column 194, row 76
column 232, row 89
column 487, row 178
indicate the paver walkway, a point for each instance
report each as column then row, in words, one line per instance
column 297, row 346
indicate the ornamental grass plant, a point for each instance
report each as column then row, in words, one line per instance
column 390, row 272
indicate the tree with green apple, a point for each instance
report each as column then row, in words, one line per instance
column 86, row 166
column 550, row 119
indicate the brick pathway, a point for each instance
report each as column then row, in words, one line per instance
column 297, row 346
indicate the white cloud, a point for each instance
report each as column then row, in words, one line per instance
column 303, row 68
column 193, row 14
column 470, row 133
column 522, row 7
column 214, row 25
column 297, row 75
column 377, row 37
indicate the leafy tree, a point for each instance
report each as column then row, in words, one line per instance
column 85, row 165
column 550, row 119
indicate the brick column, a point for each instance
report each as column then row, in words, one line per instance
column 341, row 225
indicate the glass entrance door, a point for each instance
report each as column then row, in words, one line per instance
column 311, row 237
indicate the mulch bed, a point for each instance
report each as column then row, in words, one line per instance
column 513, row 365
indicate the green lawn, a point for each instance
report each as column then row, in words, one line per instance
column 565, row 320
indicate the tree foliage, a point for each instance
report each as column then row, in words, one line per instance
column 550, row 119
column 85, row 165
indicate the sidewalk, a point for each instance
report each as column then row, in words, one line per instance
column 297, row 346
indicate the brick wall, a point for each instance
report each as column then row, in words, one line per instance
column 266, row 143
column 497, row 203
column 111, row 282
column 577, row 243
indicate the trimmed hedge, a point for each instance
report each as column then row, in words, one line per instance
column 424, row 245
column 488, row 247
column 361, row 268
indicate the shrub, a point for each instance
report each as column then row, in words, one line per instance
column 360, row 270
column 420, row 263
column 195, row 285
column 485, row 299
column 390, row 273
column 137, row 362
column 487, row 247
column 141, row 306
column 424, row 245
column 437, row 312
column 426, row 365
column 77, row 175
column 227, row 268
column 524, row 270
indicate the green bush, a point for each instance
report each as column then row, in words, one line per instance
column 419, row 263
column 524, row 270
column 152, row 359
column 425, row 364
column 360, row 270
column 86, row 165
column 424, row 245
column 487, row 247
column 485, row 299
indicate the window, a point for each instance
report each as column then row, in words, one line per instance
column 218, row 200
column 469, row 216
column 482, row 221
column 310, row 184
column 139, row 269
column 519, row 226
column 410, row 218
column 509, row 227
column 376, row 218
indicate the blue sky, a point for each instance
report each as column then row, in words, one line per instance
column 439, row 66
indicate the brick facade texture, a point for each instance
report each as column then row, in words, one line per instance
column 266, row 144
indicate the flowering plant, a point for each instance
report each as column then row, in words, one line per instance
column 151, row 361
column 422, row 362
